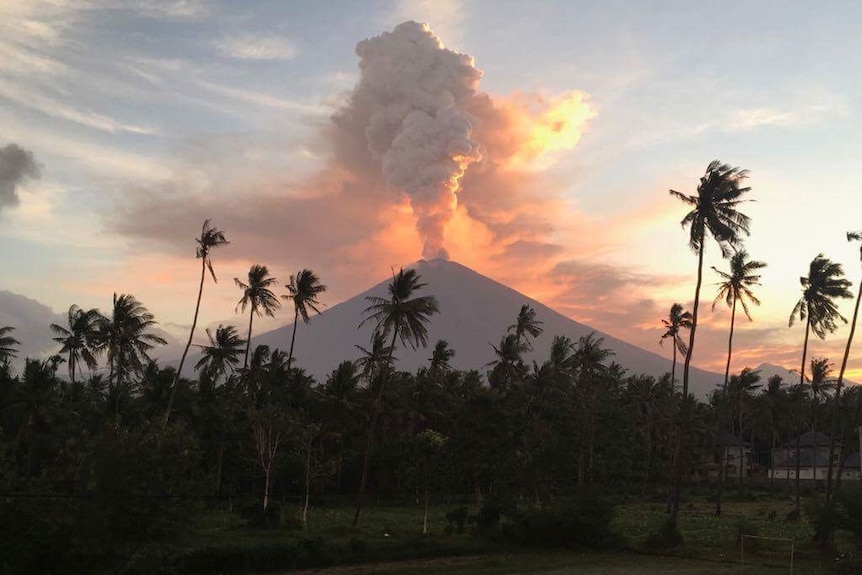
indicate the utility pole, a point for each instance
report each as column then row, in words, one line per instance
column 859, row 429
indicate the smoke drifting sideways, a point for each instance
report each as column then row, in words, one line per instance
column 411, row 103
column 17, row 165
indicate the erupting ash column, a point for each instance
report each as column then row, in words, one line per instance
column 410, row 101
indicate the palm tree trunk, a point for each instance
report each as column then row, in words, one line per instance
column 673, row 368
column 741, row 444
column 267, row 473
column 838, row 392
column 693, row 329
column 677, row 471
column 292, row 340
column 375, row 413
column 188, row 345
column 723, row 454
column 307, row 486
column 248, row 343
column 796, row 483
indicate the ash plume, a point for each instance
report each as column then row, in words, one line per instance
column 17, row 165
column 410, row 104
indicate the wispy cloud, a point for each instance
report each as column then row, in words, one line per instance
column 257, row 47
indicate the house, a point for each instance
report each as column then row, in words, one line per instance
column 733, row 452
column 813, row 449
column 852, row 468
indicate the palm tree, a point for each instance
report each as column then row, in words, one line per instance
column 825, row 283
column 210, row 238
column 7, row 344
column 714, row 212
column 126, row 339
column 526, row 324
column 509, row 366
column 821, row 384
column 851, row 236
column 736, row 287
column 222, row 354
column 256, row 295
column 78, row 340
column 440, row 357
column 677, row 321
column 405, row 317
column 304, row 288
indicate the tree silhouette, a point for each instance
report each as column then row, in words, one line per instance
column 79, row 339
column 677, row 321
column 304, row 289
column 736, row 288
column 526, row 324
column 405, row 317
column 222, row 354
column 851, row 237
column 126, row 339
column 824, row 284
column 256, row 295
column 714, row 212
column 210, row 238
column 7, row 344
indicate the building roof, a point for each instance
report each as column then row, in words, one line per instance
column 810, row 439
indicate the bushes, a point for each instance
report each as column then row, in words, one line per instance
column 667, row 537
column 585, row 523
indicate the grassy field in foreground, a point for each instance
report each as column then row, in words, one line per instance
column 565, row 563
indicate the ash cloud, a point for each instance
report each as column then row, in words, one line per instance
column 17, row 166
column 410, row 104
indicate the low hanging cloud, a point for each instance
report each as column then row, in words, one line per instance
column 17, row 166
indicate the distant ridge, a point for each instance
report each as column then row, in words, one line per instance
column 474, row 313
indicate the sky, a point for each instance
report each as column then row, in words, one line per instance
column 562, row 125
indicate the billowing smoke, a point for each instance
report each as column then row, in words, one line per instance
column 410, row 103
column 16, row 166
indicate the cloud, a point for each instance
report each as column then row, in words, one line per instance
column 257, row 47
column 17, row 166
column 446, row 17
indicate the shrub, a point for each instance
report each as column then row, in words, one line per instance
column 667, row 537
column 457, row 519
column 586, row 523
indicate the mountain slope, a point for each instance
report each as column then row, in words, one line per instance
column 474, row 313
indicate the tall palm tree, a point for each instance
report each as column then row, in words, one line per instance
column 526, row 324
column 821, row 384
column 210, row 238
column 508, row 367
column 851, row 237
column 714, row 212
column 7, row 344
column 257, row 295
column 817, row 308
column 78, row 340
column 126, row 339
column 304, row 289
column 677, row 321
column 736, row 288
column 222, row 354
column 404, row 315
column 441, row 357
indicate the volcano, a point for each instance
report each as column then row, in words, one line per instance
column 474, row 313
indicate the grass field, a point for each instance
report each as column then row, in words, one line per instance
column 393, row 532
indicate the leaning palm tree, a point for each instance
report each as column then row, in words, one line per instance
column 403, row 315
column 736, row 288
column 526, row 324
column 257, row 295
column 222, row 354
column 210, row 238
column 851, row 237
column 78, row 340
column 714, row 212
column 304, row 289
column 677, row 321
column 817, row 308
column 7, row 344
